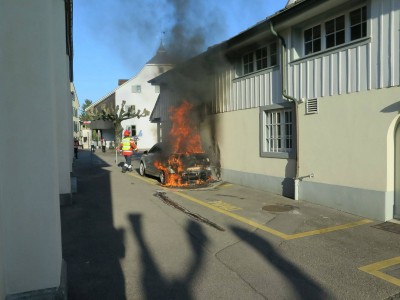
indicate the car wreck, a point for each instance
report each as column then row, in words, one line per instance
column 175, row 169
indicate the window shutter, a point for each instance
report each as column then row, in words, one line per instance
column 312, row 106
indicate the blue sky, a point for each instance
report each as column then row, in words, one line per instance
column 113, row 39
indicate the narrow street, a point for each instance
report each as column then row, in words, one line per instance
column 127, row 237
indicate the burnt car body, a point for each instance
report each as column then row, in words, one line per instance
column 191, row 167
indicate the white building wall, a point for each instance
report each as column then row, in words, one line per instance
column 63, row 99
column 348, row 146
column 250, row 91
column 237, row 138
column 369, row 63
column 146, row 99
column 30, row 231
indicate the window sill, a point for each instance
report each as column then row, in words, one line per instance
column 250, row 75
column 283, row 155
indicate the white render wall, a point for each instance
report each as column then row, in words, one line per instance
column 33, row 82
column 144, row 100
column 349, row 147
column 237, row 137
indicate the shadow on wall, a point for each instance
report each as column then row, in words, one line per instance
column 288, row 181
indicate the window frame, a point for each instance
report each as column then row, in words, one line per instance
column 250, row 60
column 137, row 89
column 281, row 108
column 347, row 30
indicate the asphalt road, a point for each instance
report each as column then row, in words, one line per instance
column 127, row 237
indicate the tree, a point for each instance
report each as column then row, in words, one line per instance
column 116, row 115
column 84, row 115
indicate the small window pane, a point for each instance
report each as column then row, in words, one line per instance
column 248, row 64
column 340, row 37
column 330, row 41
column 317, row 32
column 355, row 32
column 339, row 23
column 317, row 45
column 308, row 35
column 261, row 58
column 308, row 48
column 273, row 54
column 358, row 23
column 355, row 17
column 330, row 26
column 312, row 39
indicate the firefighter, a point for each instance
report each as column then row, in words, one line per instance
column 127, row 147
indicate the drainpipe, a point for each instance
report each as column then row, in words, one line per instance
column 290, row 99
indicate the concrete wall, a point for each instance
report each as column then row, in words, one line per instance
column 237, row 138
column 353, row 134
column 144, row 100
column 33, row 82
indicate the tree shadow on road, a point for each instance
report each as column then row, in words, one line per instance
column 155, row 284
column 304, row 286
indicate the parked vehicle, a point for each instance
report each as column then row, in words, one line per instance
column 178, row 168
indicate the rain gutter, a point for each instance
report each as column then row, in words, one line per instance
column 290, row 99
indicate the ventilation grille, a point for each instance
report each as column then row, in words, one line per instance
column 312, row 106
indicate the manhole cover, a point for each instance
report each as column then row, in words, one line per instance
column 278, row 208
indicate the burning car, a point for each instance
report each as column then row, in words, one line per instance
column 175, row 169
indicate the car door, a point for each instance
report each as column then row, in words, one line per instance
column 151, row 157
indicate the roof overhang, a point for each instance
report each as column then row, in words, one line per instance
column 292, row 15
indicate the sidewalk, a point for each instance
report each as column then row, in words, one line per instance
column 93, row 244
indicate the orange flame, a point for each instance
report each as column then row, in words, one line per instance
column 184, row 134
column 184, row 138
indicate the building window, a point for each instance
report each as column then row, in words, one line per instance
column 133, row 130
column 312, row 39
column 358, row 23
column 132, row 108
column 136, row 88
column 345, row 28
column 248, row 63
column 276, row 132
column 334, row 32
column 260, row 59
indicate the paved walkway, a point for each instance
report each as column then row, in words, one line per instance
column 101, row 259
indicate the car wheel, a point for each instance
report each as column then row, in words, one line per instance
column 142, row 169
column 163, row 179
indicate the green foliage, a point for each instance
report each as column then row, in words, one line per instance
column 84, row 115
column 95, row 136
column 116, row 115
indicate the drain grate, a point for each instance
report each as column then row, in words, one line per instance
column 388, row 226
column 278, row 208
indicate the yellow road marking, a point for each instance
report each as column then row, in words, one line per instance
column 222, row 209
column 225, row 184
column 144, row 178
column 273, row 231
column 374, row 269
column 225, row 206
column 235, row 216
column 329, row 229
